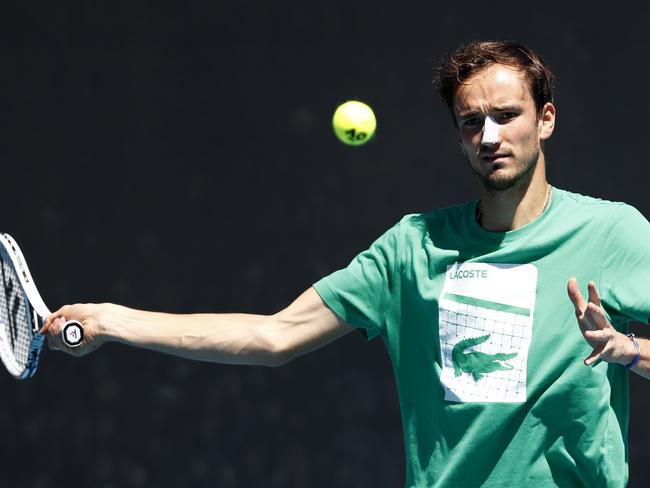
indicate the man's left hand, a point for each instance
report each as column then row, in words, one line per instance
column 609, row 345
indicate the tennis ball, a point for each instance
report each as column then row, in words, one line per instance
column 354, row 123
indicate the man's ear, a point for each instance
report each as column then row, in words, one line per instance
column 546, row 122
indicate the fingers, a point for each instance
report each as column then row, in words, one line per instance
column 595, row 336
column 594, row 324
column 574, row 294
column 576, row 297
column 54, row 328
column 593, row 358
column 594, row 297
column 596, row 318
column 50, row 319
column 46, row 327
column 592, row 320
column 590, row 314
column 86, row 314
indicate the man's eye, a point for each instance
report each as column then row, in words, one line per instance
column 473, row 122
column 508, row 115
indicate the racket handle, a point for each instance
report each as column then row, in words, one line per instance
column 72, row 333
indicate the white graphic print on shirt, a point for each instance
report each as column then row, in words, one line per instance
column 486, row 319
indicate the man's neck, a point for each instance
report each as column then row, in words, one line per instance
column 511, row 209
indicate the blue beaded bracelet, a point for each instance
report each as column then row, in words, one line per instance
column 638, row 351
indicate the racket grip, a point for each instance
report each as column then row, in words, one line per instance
column 72, row 333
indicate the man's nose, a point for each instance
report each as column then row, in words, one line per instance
column 490, row 131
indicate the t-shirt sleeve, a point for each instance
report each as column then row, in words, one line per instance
column 361, row 293
column 625, row 274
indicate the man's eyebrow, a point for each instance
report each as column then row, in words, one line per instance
column 467, row 113
column 508, row 108
column 471, row 112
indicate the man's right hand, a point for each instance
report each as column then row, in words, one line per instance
column 88, row 315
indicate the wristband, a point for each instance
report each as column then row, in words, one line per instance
column 638, row 351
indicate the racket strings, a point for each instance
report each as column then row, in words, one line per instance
column 14, row 320
column 8, row 290
column 8, row 286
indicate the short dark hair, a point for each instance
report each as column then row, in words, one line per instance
column 471, row 58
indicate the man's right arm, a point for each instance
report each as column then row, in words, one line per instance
column 270, row 340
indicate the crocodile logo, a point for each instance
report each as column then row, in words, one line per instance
column 478, row 363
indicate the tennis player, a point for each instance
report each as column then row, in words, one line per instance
column 471, row 302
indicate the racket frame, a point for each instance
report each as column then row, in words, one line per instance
column 37, row 311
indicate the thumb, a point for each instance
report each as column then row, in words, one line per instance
column 593, row 358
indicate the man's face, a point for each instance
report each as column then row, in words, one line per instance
column 499, row 128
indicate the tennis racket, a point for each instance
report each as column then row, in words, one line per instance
column 22, row 313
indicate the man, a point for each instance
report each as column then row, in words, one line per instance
column 470, row 302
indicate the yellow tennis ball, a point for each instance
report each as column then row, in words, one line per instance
column 354, row 123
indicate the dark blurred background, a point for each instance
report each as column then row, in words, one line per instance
column 179, row 156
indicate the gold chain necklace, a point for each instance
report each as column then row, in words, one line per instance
column 547, row 200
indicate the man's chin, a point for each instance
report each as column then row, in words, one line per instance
column 500, row 176
column 502, row 179
column 499, row 181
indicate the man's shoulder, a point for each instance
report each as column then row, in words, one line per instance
column 416, row 226
column 593, row 208
column 574, row 198
column 436, row 218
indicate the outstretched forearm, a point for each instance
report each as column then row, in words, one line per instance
column 223, row 338
column 269, row 340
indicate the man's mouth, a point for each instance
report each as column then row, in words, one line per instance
column 494, row 158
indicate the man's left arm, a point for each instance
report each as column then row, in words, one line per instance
column 608, row 344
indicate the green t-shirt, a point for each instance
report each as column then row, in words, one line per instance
column 486, row 351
